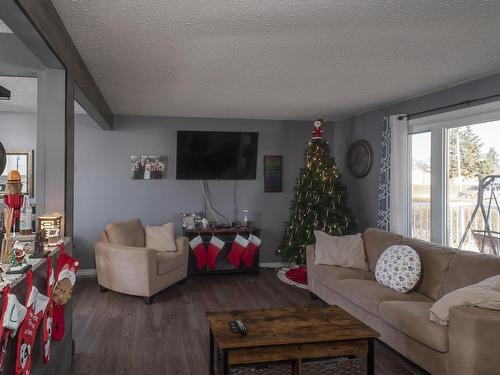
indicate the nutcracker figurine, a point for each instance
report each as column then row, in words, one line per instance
column 13, row 197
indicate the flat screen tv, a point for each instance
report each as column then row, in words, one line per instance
column 203, row 155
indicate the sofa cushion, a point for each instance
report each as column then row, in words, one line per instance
column 331, row 275
column 485, row 294
column 368, row 294
column 412, row 318
column 126, row 233
column 467, row 268
column 168, row 261
column 161, row 238
column 376, row 241
column 344, row 251
column 435, row 260
column 398, row 268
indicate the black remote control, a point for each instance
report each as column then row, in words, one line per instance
column 237, row 326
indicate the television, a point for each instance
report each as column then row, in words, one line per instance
column 211, row 155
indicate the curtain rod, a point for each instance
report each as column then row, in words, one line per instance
column 447, row 108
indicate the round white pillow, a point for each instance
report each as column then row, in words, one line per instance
column 398, row 268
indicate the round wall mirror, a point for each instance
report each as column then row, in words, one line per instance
column 3, row 158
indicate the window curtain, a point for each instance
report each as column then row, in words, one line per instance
column 392, row 211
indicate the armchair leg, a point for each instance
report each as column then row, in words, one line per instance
column 103, row 289
column 148, row 300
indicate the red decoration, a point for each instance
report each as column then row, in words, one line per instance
column 239, row 245
column 35, row 305
column 47, row 318
column 199, row 251
column 299, row 275
column 249, row 253
column 14, row 201
column 317, row 132
column 214, row 248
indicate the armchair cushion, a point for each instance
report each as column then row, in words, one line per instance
column 161, row 238
column 126, row 233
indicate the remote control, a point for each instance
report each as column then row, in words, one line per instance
column 237, row 326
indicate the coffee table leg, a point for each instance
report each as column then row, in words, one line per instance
column 370, row 358
column 225, row 362
column 211, row 355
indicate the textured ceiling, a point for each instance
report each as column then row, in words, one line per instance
column 278, row 59
column 23, row 94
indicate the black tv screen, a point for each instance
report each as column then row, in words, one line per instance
column 216, row 155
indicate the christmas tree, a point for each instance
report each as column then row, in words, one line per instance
column 319, row 203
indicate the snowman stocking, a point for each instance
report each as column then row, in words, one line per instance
column 61, row 294
column 47, row 318
column 249, row 253
column 239, row 245
column 199, row 252
column 13, row 314
column 35, row 305
column 214, row 248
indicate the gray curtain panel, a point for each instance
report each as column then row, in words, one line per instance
column 384, row 187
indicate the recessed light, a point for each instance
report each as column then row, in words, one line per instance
column 4, row 93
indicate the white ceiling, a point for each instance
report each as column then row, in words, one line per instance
column 278, row 59
column 23, row 94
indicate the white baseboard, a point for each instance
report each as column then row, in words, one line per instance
column 88, row 272
column 272, row 264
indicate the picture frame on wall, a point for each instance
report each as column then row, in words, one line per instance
column 273, row 173
column 148, row 167
column 23, row 162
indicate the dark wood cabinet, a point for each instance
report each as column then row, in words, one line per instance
column 222, row 266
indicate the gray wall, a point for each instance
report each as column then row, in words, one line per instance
column 104, row 191
column 18, row 130
column 363, row 192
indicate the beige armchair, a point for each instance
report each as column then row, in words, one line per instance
column 125, row 265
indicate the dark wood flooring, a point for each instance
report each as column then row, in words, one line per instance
column 119, row 334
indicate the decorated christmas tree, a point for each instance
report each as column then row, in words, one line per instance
column 319, row 202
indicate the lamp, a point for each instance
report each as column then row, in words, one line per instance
column 51, row 221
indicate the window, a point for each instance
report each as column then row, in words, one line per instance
column 446, row 153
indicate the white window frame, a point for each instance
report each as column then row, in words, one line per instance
column 438, row 125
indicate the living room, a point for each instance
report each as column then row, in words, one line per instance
column 235, row 187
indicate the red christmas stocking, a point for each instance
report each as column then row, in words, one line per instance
column 214, row 248
column 239, row 245
column 47, row 318
column 249, row 253
column 13, row 314
column 35, row 305
column 65, row 281
column 199, row 251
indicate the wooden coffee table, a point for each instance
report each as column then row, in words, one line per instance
column 294, row 333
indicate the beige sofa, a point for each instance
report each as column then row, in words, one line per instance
column 469, row 345
column 125, row 265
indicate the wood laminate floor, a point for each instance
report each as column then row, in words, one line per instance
column 118, row 334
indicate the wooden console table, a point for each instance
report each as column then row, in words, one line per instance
column 222, row 266
column 295, row 333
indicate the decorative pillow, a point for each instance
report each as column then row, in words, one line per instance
column 485, row 294
column 344, row 251
column 161, row 238
column 126, row 233
column 398, row 268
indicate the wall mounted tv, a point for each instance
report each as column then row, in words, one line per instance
column 211, row 155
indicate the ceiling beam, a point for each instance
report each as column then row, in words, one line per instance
column 49, row 25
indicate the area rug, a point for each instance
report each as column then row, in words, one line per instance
column 294, row 276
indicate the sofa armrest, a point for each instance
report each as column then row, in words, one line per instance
column 182, row 244
column 474, row 341
column 130, row 270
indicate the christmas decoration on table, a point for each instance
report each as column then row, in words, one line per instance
column 61, row 294
column 49, row 312
column 237, row 248
column 36, row 303
column 214, row 247
column 13, row 313
column 319, row 202
column 249, row 253
column 199, row 252
column 13, row 196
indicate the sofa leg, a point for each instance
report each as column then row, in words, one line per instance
column 183, row 281
column 103, row 289
column 313, row 296
column 148, row 300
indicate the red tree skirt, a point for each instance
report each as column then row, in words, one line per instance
column 298, row 275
